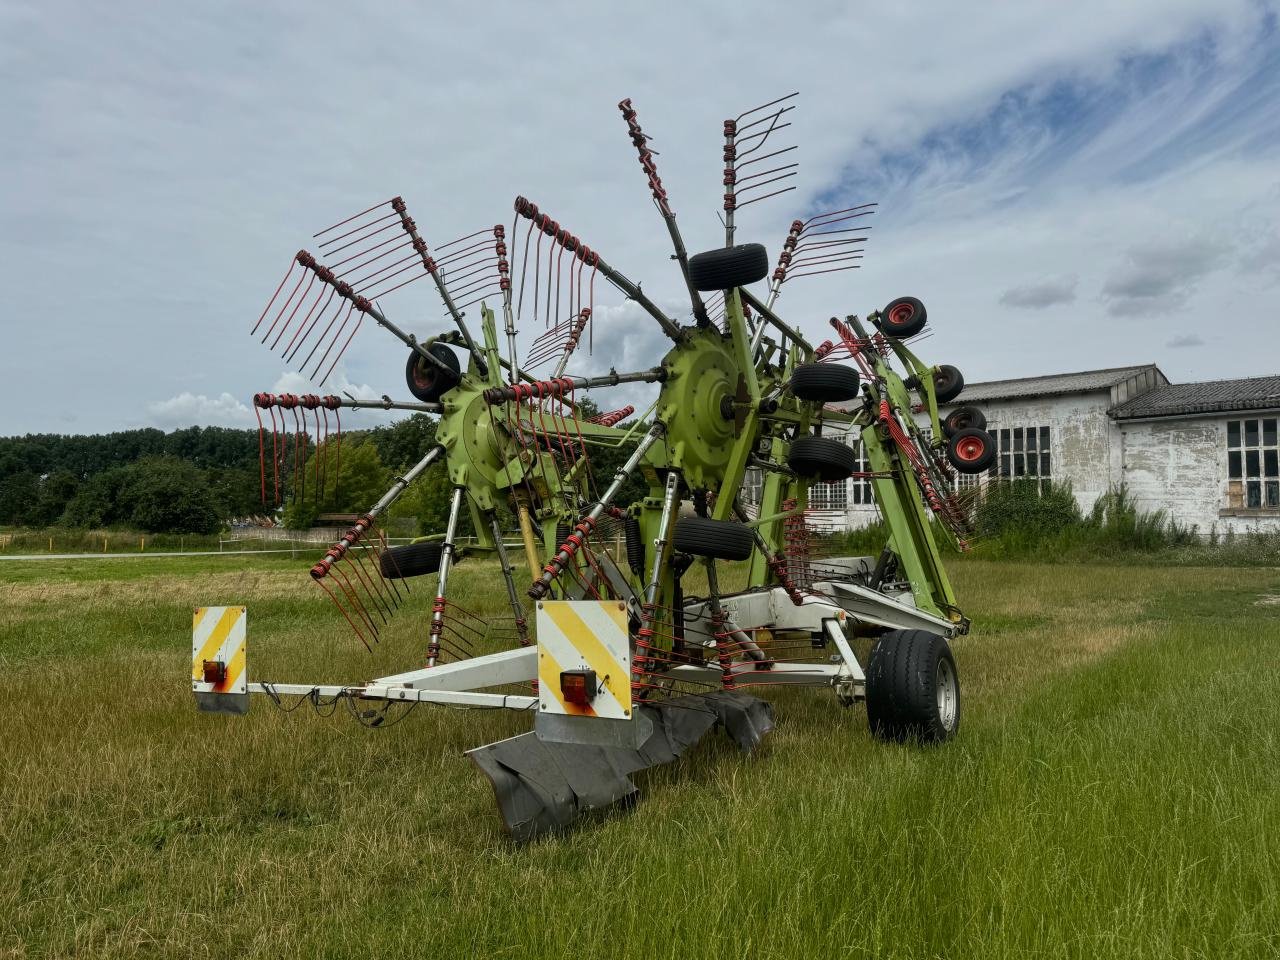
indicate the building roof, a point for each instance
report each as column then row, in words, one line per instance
column 1084, row 381
column 1212, row 396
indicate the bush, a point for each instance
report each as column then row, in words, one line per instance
column 1025, row 509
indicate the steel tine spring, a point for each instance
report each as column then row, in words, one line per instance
column 368, row 225
column 766, row 196
column 765, row 106
column 354, row 216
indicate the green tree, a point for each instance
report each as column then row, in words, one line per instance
column 168, row 495
column 55, row 491
column 18, row 492
column 96, row 503
column 353, row 476
column 403, row 443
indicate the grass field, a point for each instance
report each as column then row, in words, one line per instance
column 1114, row 792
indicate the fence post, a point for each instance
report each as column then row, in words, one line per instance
column 51, row 544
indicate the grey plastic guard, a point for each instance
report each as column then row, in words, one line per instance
column 236, row 703
column 543, row 787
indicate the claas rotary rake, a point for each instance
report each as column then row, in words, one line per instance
column 619, row 668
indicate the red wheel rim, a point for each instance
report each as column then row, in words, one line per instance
column 970, row 449
column 423, row 376
column 901, row 314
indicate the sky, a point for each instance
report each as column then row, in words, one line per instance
column 1065, row 187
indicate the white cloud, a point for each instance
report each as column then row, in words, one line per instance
column 188, row 409
column 1186, row 340
column 178, row 136
column 1046, row 293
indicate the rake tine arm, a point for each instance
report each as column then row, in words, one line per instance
column 660, row 198
column 559, row 387
column 361, row 526
column 564, row 556
column 420, row 246
column 530, row 211
column 366, row 306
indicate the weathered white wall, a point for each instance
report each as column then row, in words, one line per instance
column 1082, row 438
column 1180, row 466
column 1175, row 465
column 1083, row 442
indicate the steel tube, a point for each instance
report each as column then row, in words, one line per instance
column 446, row 559
column 557, row 564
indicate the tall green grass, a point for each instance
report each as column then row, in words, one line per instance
column 1022, row 520
column 1111, row 795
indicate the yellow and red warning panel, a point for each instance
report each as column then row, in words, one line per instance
column 584, row 658
column 219, row 678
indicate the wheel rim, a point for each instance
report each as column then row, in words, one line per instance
column 970, row 449
column 423, row 377
column 901, row 314
column 948, row 694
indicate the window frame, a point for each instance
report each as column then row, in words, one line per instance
column 1252, row 465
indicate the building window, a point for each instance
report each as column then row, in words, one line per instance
column 829, row 496
column 1023, row 453
column 1253, row 465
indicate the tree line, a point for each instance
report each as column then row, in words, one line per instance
column 198, row 479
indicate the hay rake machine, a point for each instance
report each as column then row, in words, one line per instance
column 622, row 668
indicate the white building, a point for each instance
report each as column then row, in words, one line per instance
column 1205, row 453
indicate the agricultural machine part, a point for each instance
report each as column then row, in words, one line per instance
column 627, row 669
column 427, row 381
column 962, row 418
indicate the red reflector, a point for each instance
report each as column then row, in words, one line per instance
column 578, row 686
column 215, row 671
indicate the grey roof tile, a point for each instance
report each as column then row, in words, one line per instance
column 1211, row 396
column 1057, row 383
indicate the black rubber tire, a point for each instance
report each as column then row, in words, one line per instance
column 947, row 383
column 719, row 539
column 971, row 450
column 428, row 382
column 902, row 318
column 635, row 544
column 903, row 675
column 963, row 418
column 410, row 560
column 822, row 459
column 728, row 267
column 825, row 382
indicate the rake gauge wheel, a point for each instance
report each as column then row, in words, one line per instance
column 971, row 450
column 947, row 383
column 822, row 459
column 428, row 382
column 729, row 267
column 963, row 418
column 825, row 382
column 718, row 539
column 902, row 318
column 410, row 560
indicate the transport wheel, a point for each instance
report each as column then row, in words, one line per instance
column 963, row 418
column 719, row 539
column 947, row 383
column 971, row 450
column 825, row 382
column 428, row 382
column 913, row 688
column 728, row 267
column 822, row 458
column 410, row 560
column 904, row 317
